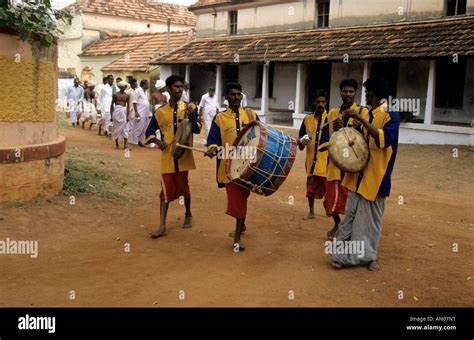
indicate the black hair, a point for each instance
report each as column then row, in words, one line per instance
column 349, row 83
column 133, row 81
column 118, row 79
column 142, row 82
column 319, row 93
column 377, row 86
column 110, row 75
column 104, row 79
column 173, row 79
column 232, row 86
column 212, row 89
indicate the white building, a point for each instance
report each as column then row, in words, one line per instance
column 101, row 19
column 281, row 51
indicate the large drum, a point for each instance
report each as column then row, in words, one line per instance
column 183, row 137
column 263, row 158
column 348, row 150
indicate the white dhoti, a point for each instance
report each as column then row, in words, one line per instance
column 75, row 110
column 90, row 112
column 104, row 121
column 119, row 117
column 138, row 127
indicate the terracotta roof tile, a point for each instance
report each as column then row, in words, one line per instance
column 116, row 45
column 426, row 39
column 138, row 59
column 137, row 9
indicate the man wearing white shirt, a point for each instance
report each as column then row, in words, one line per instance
column 208, row 107
column 75, row 95
column 142, row 111
column 105, row 105
column 185, row 96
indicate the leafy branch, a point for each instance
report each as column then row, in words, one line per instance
column 32, row 19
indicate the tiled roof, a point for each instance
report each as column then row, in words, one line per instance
column 117, row 45
column 139, row 58
column 149, row 10
column 427, row 39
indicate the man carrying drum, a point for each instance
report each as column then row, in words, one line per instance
column 336, row 195
column 224, row 130
column 174, row 172
column 369, row 188
column 310, row 134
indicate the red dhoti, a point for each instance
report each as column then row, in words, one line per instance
column 335, row 199
column 236, row 200
column 174, row 185
column 315, row 186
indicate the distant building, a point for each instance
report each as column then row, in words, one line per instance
column 100, row 19
column 281, row 51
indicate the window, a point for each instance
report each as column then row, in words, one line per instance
column 232, row 23
column 450, row 78
column 455, row 7
column 230, row 73
column 318, row 78
column 323, row 13
column 387, row 71
column 271, row 71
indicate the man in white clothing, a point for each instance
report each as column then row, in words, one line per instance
column 142, row 111
column 208, row 108
column 104, row 105
column 75, row 95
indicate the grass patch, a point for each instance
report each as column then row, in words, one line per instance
column 92, row 176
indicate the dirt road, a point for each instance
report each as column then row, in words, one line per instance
column 82, row 247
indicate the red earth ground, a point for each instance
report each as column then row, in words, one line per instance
column 82, row 246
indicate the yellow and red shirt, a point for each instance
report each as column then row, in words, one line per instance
column 333, row 173
column 225, row 128
column 316, row 160
column 375, row 179
column 166, row 119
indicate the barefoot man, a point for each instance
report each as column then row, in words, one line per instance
column 160, row 97
column 75, row 96
column 142, row 111
column 90, row 108
column 224, row 130
column 105, row 102
column 336, row 195
column 368, row 189
column 174, row 172
column 119, row 114
column 316, row 160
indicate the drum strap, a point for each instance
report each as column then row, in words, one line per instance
column 316, row 143
column 175, row 128
column 361, row 173
column 249, row 115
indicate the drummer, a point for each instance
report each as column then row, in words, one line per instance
column 224, row 130
column 316, row 161
column 336, row 195
column 369, row 188
column 174, row 173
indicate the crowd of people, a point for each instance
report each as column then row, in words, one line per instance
column 122, row 110
column 360, row 196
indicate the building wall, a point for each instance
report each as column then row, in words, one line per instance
column 413, row 82
column 466, row 114
column 470, row 7
column 96, row 64
column 93, row 21
column 342, row 71
column 70, row 44
column 300, row 15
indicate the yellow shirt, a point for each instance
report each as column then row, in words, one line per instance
column 333, row 172
column 316, row 161
column 166, row 119
column 224, row 130
column 374, row 179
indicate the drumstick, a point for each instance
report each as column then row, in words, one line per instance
column 190, row 148
column 329, row 122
